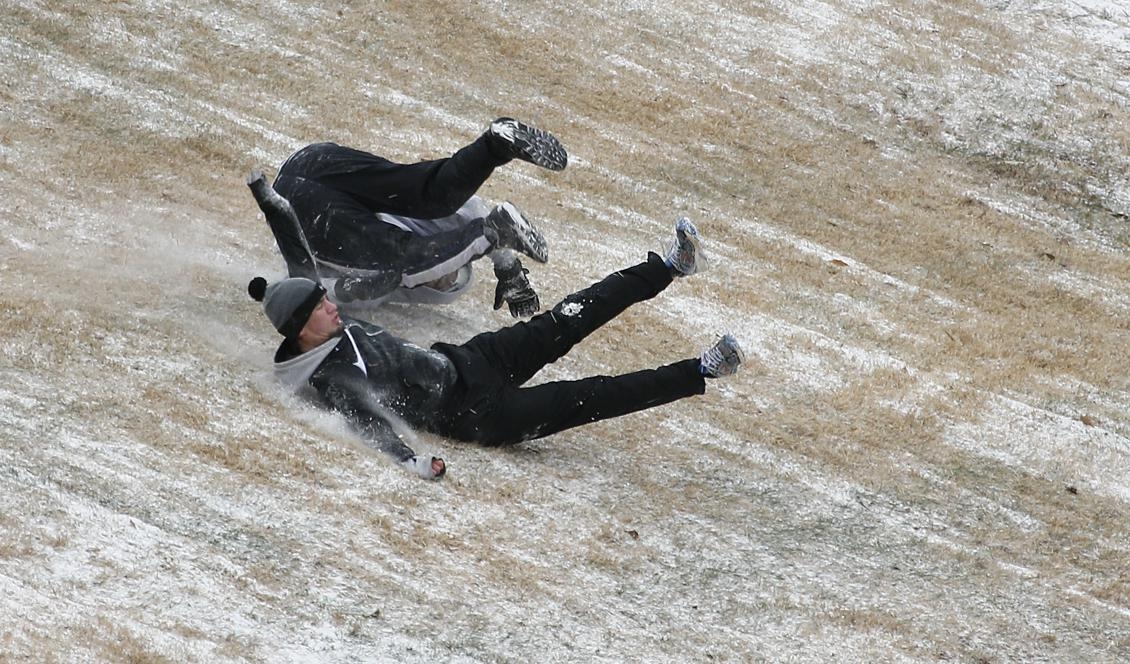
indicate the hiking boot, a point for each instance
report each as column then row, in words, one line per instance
column 511, row 230
column 722, row 359
column 520, row 141
column 685, row 256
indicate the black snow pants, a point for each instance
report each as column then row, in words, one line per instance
column 488, row 404
column 337, row 191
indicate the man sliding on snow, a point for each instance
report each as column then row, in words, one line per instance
column 474, row 391
column 377, row 230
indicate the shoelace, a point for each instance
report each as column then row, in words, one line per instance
column 719, row 357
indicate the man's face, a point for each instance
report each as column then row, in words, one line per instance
column 324, row 322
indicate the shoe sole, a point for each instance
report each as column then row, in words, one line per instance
column 537, row 146
column 737, row 351
column 530, row 240
column 686, row 232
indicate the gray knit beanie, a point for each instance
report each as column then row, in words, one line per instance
column 288, row 302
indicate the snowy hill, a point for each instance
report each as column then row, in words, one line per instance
column 917, row 214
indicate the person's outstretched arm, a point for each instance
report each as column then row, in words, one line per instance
column 346, row 389
column 285, row 227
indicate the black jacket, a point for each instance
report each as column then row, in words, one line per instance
column 375, row 379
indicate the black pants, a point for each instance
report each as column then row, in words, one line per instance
column 337, row 192
column 488, row 404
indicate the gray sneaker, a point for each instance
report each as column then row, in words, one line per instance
column 723, row 358
column 685, row 255
column 512, row 230
column 521, row 141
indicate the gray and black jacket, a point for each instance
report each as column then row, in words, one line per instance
column 377, row 380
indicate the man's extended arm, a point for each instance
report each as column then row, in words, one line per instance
column 346, row 389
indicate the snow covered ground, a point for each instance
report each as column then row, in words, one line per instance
column 917, row 214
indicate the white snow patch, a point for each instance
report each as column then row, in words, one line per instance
column 1020, row 435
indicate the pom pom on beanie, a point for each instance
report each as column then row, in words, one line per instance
column 257, row 288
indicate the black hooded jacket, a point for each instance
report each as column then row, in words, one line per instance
column 375, row 379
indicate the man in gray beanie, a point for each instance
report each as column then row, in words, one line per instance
column 473, row 391
column 289, row 303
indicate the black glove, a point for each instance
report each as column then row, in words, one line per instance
column 514, row 288
column 349, row 289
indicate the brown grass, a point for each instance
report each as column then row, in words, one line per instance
column 982, row 253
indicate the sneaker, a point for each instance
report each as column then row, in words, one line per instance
column 513, row 231
column 521, row 141
column 723, row 358
column 685, row 255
